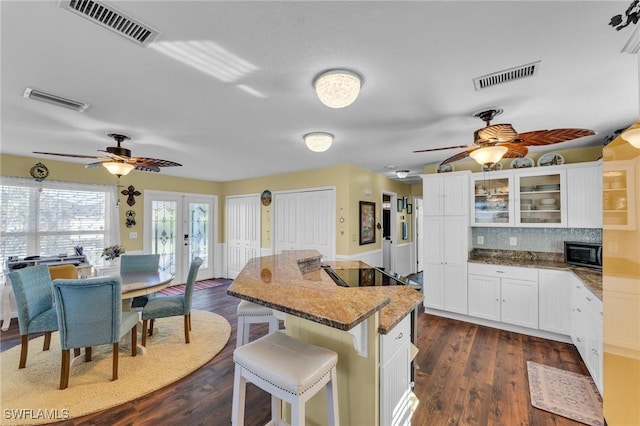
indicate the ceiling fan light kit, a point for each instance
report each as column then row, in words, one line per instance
column 118, row 168
column 337, row 88
column 318, row 141
column 488, row 155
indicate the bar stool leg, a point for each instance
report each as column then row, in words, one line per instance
column 238, row 402
column 298, row 414
column 276, row 411
column 240, row 332
column 333, row 415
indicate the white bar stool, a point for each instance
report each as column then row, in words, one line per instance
column 291, row 371
column 252, row 313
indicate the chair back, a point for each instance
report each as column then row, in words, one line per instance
column 191, row 280
column 139, row 263
column 89, row 311
column 32, row 290
column 63, row 271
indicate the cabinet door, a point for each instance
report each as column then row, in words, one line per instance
column 618, row 195
column 432, row 195
column 395, row 388
column 455, row 288
column 594, row 341
column 492, row 200
column 484, row 297
column 456, row 194
column 519, row 302
column 433, row 285
column 541, row 197
column 555, row 301
column 584, row 197
column 578, row 316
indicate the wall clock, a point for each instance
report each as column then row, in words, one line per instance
column 266, row 197
column 39, row 172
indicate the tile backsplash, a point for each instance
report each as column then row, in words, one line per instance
column 533, row 239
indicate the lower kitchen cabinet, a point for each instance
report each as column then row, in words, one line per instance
column 586, row 328
column 395, row 375
column 554, row 301
column 504, row 293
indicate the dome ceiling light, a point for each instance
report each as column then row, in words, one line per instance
column 337, row 88
column 402, row 173
column 318, row 141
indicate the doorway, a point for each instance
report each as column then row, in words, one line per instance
column 389, row 230
column 417, row 237
column 180, row 227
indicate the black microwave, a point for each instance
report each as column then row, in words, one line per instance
column 583, row 254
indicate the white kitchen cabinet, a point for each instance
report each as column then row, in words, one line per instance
column 445, row 241
column 504, row 293
column 618, row 195
column 445, row 194
column 586, row 328
column 395, row 375
column 554, row 300
column 492, row 197
column 540, row 197
column 584, row 195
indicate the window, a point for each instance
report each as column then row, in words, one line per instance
column 51, row 218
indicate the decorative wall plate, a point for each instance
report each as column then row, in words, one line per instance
column 445, row 168
column 521, row 163
column 266, row 197
column 550, row 159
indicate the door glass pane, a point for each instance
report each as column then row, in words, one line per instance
column 163, row 233
column 199, row 232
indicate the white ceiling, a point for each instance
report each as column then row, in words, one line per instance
column 418, row 60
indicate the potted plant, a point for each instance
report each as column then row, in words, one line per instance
column 111, row 252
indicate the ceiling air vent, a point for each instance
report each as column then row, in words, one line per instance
column 504, row 76
column 112, row 19
column 39, row 95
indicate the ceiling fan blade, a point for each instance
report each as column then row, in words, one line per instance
column 68, row 155
column 93, row 165
column 516, row 150
column 442, row 149
column 460, row 156
column 153, row 162
column 549, row 137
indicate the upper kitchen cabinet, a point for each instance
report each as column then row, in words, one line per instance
column 492, row 199
column 445, row 193
column 618, row 194
column 541, row 197
column 584, row 195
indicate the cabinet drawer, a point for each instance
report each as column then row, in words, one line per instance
column 502, row 271
column 392, row 341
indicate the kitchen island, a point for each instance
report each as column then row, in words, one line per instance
column 369, row 328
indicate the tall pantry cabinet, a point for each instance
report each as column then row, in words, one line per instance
column 446, row 240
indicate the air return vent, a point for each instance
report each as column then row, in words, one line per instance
column 39, row 95
column 112, row 19
column 504, row 76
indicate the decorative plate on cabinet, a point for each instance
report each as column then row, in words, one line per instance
column 551, row 159
column 522, row 163
column 445, row 168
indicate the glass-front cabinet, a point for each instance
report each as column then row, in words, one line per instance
column 492, row 199
column 541, row 198
column 617, row 195
column 523, row 198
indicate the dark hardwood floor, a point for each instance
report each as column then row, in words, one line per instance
column 468, row 375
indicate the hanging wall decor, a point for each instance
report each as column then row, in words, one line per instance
column 130, row 192
column 131, row 218
column 367, row 222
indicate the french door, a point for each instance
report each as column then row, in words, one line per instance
column 180, row 227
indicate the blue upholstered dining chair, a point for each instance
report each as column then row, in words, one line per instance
column 139, row 263
column 36, row 313
column 169, row 306
column 90, row 314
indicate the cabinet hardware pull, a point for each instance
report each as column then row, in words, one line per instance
column 400, row 336
column 578, row 309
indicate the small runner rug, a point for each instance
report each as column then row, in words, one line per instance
column 565, row 393
column 177, row 290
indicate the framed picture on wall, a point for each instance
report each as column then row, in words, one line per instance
column 409, row 208
column 400, row 205
column 367, row 222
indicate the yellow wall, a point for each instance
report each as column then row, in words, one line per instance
column 349, row 181
column 621, row 296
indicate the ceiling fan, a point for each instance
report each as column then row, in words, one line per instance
column 505, row 136
column 118, row 160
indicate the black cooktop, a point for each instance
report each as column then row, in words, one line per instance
column 368, row 277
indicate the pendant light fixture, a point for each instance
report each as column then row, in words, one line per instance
column 337, row 88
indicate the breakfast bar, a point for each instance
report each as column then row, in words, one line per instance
column 369, row 327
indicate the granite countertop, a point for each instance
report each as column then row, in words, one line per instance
column 294, row 283
column 591, row 278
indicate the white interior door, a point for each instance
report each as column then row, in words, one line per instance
column 180, row 227
column 305, row 220
column 417, row 226
column 243, row 232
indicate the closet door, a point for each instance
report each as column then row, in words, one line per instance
column 243, row 232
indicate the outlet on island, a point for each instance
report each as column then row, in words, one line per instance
column 513, row 241
column 480, row 239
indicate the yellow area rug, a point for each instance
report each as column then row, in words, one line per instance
column 31, row 395
column 565, row 393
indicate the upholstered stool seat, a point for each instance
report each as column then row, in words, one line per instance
column 252, row 313
column 290, row 370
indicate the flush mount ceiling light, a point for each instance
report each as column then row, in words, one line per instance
column 488, row 155
column 118, row 168
column 337, row 88
column 39, row 95
column 402, row 173
column 318, row 141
